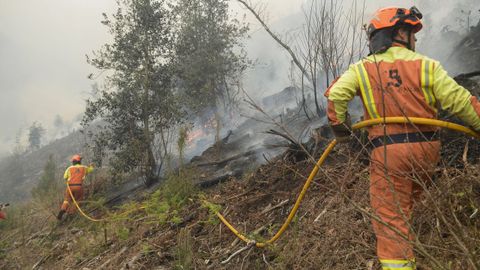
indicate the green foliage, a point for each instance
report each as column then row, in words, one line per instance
column 12, row 176
column 213, row 209
column 139, row 104
column 126, row 212
column 175, row 218
column 182, row 142
column 146, row 248
column 123, row 233
column 165, row 59
column 14, row 217
column 174, row 194
column 3, row 250
column 48, row 187
column 184, row 250
column 209, row 59
column 36, row 132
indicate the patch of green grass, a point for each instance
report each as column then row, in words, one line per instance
column 213, row 209
column 123, row 233
column 176, row 192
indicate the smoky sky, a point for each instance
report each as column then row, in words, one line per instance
column 43, row 72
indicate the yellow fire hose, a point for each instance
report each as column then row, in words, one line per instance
column 87, row 216
column 367, row 123
column 80, row 209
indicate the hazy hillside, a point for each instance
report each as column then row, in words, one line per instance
column 20, row 172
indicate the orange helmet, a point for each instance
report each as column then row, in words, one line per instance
column 76, row 158
column 394, row 16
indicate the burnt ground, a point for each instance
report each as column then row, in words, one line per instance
column 330, row 231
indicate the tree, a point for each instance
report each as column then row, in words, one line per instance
column 36, row 132
column 209, row 58
column 330, row 40
column 138, row 103
column 47, row 189
column 13, row 175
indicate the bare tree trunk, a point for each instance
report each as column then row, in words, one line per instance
column 150, row 158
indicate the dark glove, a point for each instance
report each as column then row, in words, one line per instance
column 343, row 131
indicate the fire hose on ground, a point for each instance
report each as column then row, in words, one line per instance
column 327, row 151
column 367, row 123
column 91, row 218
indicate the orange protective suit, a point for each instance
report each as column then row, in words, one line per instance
column 400, row 82
column 74, row 175
column 67, row 204
column 392, row 193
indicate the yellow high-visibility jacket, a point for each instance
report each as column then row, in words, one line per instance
column 75, row 174
column 408, row 84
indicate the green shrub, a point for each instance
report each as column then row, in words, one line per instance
column 174, row 194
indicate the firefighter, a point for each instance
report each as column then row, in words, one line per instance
column 394, row 80
column 74, row 175
column 2, row 213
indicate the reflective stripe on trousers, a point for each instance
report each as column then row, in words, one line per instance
column 398, row 264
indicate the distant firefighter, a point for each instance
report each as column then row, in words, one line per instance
column 74, row 175
column 2, row 212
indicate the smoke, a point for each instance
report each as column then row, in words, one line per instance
column 445, row 23
column 43, row 72
column 44, row 42
column 444, row 28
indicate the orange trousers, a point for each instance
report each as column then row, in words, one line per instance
column 67, row 204
column 394, row 186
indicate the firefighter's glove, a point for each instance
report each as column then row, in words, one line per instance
column 343, row 131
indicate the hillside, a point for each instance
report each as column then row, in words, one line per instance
column 252, row 175
column 175, row 226
column 20, row 172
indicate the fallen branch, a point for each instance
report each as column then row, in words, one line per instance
column 274, row 132
column 223, row 161
column 131, row 263
column 320, row 215
column 218, row 179
column 465, row 153
column 105, row 264
column 236, row 253
column 268, row 209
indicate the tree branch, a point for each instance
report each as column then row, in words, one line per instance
column 276, row 38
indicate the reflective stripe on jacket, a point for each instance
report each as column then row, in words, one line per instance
column 408, row 83
column 76, row 173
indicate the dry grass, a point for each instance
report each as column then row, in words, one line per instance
column 332, row 229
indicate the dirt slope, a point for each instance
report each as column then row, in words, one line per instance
column 331, row 230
